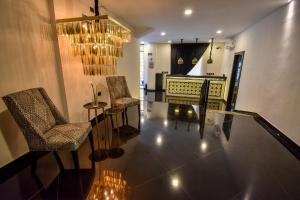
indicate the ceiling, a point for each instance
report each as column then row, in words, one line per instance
column 150, row 18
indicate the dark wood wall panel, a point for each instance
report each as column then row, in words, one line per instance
column 189, row 51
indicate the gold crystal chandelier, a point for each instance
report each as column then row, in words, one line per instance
column 97, row 39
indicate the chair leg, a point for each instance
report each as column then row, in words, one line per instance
column 139, row 113
column 126, row 116
column 123, row 116
column 112, row 122
column 34, row 162
column 91, row 139
column 75, row 160
column 33, row 170
column 59, row 162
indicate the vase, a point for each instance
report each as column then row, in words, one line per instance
column 95, row 101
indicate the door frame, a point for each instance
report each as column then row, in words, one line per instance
column 232, row 79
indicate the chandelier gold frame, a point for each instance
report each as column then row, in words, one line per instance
column 97, row 39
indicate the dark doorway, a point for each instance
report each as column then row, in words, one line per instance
column 235, row 80
column 159, row 82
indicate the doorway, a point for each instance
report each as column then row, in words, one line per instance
column 235, row 80
column 142, row 72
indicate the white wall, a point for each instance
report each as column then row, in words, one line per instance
column 217, row 56
column 29, row 58
column 198, row 69
column 162, row 61
column 270, row 82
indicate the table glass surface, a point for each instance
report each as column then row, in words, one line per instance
column 91, row 105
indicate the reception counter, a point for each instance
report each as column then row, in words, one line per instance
column 189, row 86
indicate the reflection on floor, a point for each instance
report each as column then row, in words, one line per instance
column 179, row 154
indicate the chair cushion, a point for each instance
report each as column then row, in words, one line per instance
column 126, row 102
column 67, row 136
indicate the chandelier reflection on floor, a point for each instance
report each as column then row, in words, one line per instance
column 109, row 186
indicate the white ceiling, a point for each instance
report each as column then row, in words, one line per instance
column 150, row 17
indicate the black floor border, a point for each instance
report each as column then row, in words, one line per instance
column 281, row 137
column 290, row 145
column 246, row 112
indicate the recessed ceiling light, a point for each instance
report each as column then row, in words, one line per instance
column 219, row 31
column 169, row 41
column 142, row 42
column 162, row 33
column 188, row 12
column 175, row 182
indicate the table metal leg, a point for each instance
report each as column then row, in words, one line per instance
column 126, row 116
column 116, row 152
column 99, row 154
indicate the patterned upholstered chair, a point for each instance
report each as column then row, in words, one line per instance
column 44, row 128
column 120, row 96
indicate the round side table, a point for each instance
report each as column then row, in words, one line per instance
column 115, row 152
column 99, row 154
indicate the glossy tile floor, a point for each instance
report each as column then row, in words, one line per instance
column 179, row 154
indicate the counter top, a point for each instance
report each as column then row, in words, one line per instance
column 188, row 76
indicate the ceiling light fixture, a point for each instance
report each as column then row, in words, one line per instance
column 210, row 60
column 180, row 59
column 97, row 39
column 188, row 12
column 219, row 31
column 195, row 59
column 169, row 41
column 162, row 33
column 175, row 182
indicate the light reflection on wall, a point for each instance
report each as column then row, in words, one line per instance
column 288, row 28
column 291, row 10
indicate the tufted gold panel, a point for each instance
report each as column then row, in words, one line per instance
column 190, row 87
